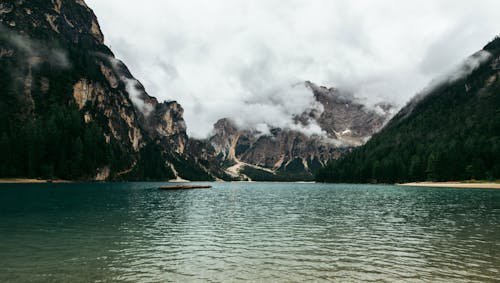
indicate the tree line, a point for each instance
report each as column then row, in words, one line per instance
column 452, row 134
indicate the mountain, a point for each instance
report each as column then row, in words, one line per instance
column 292, row 154
column 69, row 109
column 451, row 131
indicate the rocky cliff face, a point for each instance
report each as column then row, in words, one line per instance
column 70, row 109
column 345, row 118
column 55, row 54
column 287, row 154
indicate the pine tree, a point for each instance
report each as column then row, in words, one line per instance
column 4, row 155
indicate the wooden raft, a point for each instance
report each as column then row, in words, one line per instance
column 185, row 187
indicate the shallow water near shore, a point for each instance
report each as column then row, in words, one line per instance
column 265, row 232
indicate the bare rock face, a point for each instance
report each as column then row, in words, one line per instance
column 82, row 92
column 166, row 123
column 71, row 19
column 284, row 151
column 42, row 36
column 225, row 138
column 56, row 52
column 286, row 154
column 346, row 119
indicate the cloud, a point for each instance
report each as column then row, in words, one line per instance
column 134, row 88
column 243, row 59
column 135, row 93
column 469, row 65
column 34, row 51
column 458, row 72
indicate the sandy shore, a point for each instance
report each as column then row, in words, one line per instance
column 29, row 181
column 453, row 185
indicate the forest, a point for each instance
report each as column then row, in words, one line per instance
column 42, row 132
column 453, row 133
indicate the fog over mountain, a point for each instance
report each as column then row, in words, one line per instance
column 246, row 60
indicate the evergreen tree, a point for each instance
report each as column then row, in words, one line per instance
column 450, row 134
column 4, row 155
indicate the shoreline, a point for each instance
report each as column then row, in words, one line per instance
column 460, row 185
column 30, row 181
column 451, row 184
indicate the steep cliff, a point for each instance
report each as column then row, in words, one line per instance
column 70, row 109
column 292, row 154
column 346, row 118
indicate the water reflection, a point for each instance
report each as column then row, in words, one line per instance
column 247, row 232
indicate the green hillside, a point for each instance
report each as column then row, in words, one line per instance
column 451, row 133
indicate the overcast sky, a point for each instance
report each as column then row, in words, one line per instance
column 243, row 58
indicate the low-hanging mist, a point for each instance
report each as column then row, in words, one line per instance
column 246, row 60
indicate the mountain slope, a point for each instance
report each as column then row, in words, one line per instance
column 291, row 154
column 451, row 132
column 69, row 109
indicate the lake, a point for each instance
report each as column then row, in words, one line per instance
column 258, row 232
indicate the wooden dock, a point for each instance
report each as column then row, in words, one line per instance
column 185, row 187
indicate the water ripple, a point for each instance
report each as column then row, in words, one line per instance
column 248, row 232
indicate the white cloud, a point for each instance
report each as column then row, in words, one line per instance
column 36, row 52
column 240, row 59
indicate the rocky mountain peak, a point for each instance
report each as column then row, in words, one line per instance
column 346, row 118
column 54, row 54
column 70, row 19
column 288, row 153
column 324, row 94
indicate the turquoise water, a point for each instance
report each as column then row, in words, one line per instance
column 257, row 232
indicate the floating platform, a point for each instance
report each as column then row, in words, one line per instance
column 185, row 187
